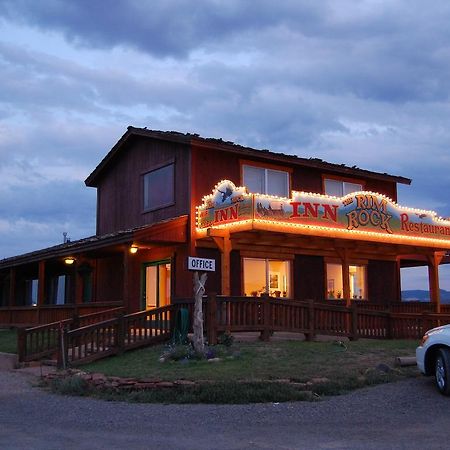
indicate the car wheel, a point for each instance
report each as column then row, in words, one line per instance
column 442, row 371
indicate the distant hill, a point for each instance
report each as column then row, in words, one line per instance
column 424, row 296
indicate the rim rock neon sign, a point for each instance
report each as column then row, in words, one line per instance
column 359, row 212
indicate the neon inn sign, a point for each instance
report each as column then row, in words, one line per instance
column 360, row 215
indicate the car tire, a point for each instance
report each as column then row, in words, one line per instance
column 442, row 371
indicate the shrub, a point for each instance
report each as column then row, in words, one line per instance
column 226, row 339
column 73, row 385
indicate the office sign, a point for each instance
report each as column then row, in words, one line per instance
column 201, row 264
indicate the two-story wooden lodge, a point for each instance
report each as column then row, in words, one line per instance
column 289, row 226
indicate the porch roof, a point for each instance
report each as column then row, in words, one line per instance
column 165, row 232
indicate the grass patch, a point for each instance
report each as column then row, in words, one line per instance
column 251, row 372
column 216, row 393
column 8, row 341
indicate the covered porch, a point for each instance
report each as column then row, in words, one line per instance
column 82, row 277
column 319, row 247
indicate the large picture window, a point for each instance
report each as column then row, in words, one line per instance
column 260, row 180
column 339, row 188
column 357, row 281
column 269, row 276
column 159, row 188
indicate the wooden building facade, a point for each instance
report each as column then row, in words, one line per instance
column 275, row 224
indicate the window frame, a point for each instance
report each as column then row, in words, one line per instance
column 143, row 183
column 267, row 260
column 352, row 262
column 342, row 180
column 266, row 166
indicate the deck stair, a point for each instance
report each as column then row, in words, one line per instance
column 93, row 339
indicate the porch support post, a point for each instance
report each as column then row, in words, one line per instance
column 433, row 275
column 12, row 287
column 126, row 275
column 41, row 283
column 78, row 288
column 223, row 242
column 343, row 254
column 41, row 289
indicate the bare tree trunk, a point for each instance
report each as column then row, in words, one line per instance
column 199, row 290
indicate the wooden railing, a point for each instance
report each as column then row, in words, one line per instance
column 93, row 336
column 44, row 340
column 114, row 336
column 44, row 314
column 268, row 314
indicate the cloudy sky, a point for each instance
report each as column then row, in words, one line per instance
column 363, row 83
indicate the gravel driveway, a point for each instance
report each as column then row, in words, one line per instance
column 405, row 415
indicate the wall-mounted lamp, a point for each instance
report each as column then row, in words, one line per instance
column 69, row 260
column 133, row 249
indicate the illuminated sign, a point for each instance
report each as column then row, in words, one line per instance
column 226, row 204
column 359, row 212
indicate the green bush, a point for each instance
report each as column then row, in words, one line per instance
column 226, row 339
column 73, row 385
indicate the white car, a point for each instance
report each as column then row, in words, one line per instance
column 433, row 357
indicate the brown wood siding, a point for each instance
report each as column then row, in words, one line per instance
column 213, row 284
column 306, row 179
column 383, row 281
column 383, row 187
column 211, row 166
column 309, row 277
column 120, row 196
column 109, row 279
column 236, row 273
column 208, row 168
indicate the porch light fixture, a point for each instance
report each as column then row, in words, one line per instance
column 69, row 260
column 133, row 249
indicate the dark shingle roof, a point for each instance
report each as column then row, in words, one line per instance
column 228, row 146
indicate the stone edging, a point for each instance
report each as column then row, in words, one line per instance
column 101, row 381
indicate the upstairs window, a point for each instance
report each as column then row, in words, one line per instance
column 159, row 187
column 339, row 188
column 260, row 180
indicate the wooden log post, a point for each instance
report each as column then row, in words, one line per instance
column 354, row 322
column 389, row 330
column 120, row 342
column 311, row 333
column 63, row 348
column 211, row 330
column 433, row 276
column 21, row 344
column 41, row 290
column 265, row 333
column 12, row 293
column 199, row 290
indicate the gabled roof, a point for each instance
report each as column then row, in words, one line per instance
column 227, row 146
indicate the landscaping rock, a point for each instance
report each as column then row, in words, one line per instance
column 165, row 384
column 384, row 368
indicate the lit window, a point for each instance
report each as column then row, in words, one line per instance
column 340, row 188
column 357, row 281
column 157, row 286
column 260, row 180
column 266, row 276
column 335, row 287
column 159, row 187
